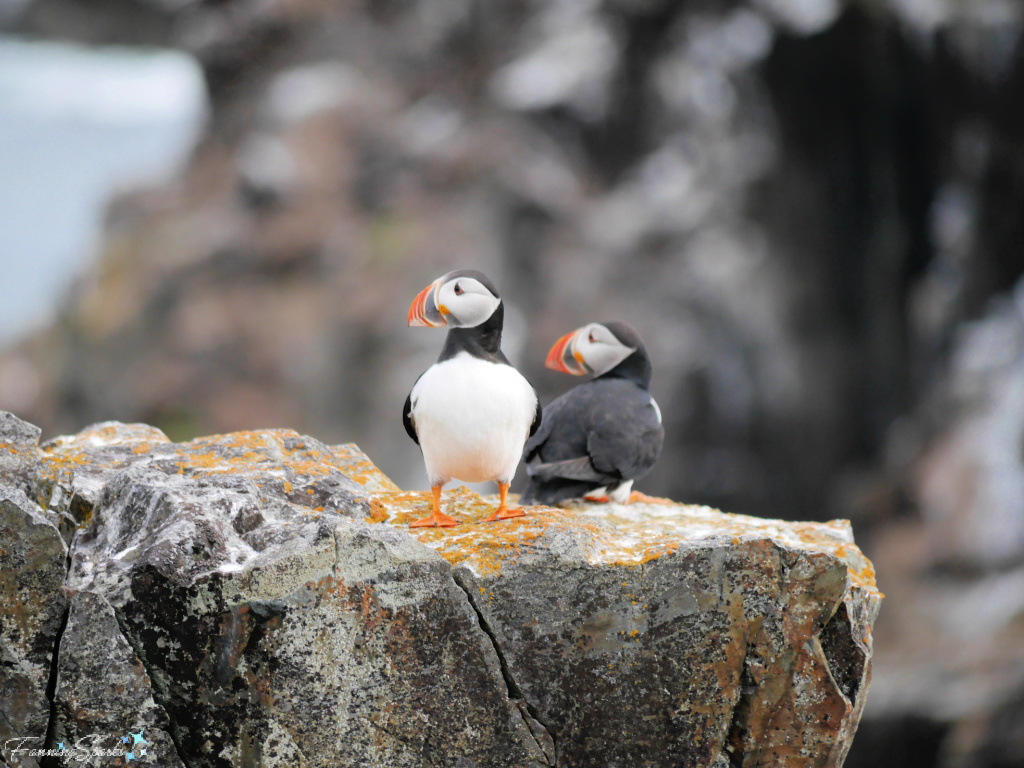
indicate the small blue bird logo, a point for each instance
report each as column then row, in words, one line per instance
column 138, row 744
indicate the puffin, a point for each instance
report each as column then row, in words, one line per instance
column 471, row 412
column 600, row 436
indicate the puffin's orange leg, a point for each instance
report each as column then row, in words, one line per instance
column 637, row 497
column 503, row 512
column 438, row 519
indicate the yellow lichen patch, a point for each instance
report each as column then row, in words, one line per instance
column 484, row 547
column 646, row 532
column 287, row 460
column 621, row 535
column 378, row 512
column 357, row 465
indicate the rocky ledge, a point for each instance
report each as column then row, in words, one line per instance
column 257, row 599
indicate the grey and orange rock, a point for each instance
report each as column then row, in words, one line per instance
column 258, row 599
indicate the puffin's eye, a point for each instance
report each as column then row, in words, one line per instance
column 591, row 339
column 458, row 290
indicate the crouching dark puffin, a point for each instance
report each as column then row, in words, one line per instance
column 471, row 412
column 600, row 436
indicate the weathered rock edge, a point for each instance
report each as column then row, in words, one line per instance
column 257, row 598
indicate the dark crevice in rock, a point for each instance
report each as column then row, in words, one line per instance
column 543, row 733
column 845, row 659
column 51, row 685
column 736, row 736
column 160, row 695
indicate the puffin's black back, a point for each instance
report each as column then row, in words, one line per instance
column 600, row 433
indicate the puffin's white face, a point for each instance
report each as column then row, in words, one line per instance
column 467, row 301
column 458, row 302
column 590, row 349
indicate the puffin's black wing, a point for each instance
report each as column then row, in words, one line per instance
column 628, row 449
column 602, row 432
column 407, row 419
column 538, row 417
column 570, row 469
column 410, row 425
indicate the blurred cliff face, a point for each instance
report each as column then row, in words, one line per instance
column 810, row 210
column 794, row 202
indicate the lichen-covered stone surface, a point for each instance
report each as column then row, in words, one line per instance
column 104, row 693
column 258, row 599
column 32, row 568
column 19, row 449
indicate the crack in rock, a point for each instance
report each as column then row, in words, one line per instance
column 735, row 737
column 541, row 732
column 51, row 685
column 675, row 637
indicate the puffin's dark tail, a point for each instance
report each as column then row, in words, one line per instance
column 529, row 496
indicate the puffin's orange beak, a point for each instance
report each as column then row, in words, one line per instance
column 424, row 311
column 564, row 357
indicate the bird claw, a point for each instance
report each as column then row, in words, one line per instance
column 503, row 513
column 436, row 520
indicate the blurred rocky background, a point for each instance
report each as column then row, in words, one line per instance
column 812, row 210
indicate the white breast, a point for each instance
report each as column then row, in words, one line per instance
column 472, row 419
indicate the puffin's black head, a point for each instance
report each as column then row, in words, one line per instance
column 464, row 298
column 601, row 348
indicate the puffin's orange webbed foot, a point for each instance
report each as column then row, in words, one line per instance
column 438, row 519
column 503, row 512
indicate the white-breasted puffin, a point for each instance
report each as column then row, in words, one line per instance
column 471, row 412
column 600, row 436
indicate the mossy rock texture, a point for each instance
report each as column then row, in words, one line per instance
column 257, row 599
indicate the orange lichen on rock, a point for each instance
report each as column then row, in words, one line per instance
column 283, row 462
column 696, row 635
column 647, row 531
column 358, row 466
column 618, row 534
column 613, row 534
column 214, row 454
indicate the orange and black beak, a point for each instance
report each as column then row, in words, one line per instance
column 425, row 311
column 564, row 356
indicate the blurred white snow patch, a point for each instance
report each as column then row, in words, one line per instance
column 569, row 66
column 695, row 77
column 76, row 124
column 953, row 216
column 731, row 42
column 301, row 93
column 929, row 15
column 747, row 37
column 985, row 33
column 923, row 15
column 266, row 164
column 111, row 85
column 805, row 17
column 430, row 124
